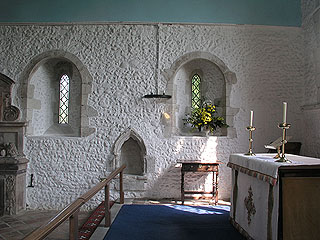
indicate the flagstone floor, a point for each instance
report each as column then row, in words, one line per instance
column 18, row 226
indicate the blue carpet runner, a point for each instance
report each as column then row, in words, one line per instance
column 172, row 222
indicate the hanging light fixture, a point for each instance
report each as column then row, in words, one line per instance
column 156, row 95
column 151, row 95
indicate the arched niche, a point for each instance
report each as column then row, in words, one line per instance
column 217, row 85
column 39, row 94
column 129, row 149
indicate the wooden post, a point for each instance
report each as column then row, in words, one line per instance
column 214, row 189
column 182, row 186
column 217, row 187
column 73, row 226
column 121, row 188
column 107, row 206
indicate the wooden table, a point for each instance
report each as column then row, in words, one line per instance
column 205, row 167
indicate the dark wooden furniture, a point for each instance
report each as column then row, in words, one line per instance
column 205, row 167
column 299, row 198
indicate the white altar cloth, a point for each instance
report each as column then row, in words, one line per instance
column 255, row 197
column 265, row 163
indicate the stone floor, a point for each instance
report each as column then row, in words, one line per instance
column 16, row 227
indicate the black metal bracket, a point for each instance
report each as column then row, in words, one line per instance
column 31, row 181
column 157, row 96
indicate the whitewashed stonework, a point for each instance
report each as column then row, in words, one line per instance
column 122, row 64
column 311, row 77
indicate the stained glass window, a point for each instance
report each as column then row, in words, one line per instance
column 195, row 91
column 64, row 99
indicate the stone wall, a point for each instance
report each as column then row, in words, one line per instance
column 124, row 65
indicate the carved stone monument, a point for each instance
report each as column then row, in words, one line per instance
column 13, row 164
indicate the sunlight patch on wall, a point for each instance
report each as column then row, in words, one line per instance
column 209, row 150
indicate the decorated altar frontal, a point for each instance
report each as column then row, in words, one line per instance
column 272, row 200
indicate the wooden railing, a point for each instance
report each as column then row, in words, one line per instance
column 72, row 211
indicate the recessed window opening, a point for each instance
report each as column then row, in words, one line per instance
column 64, row 99
column 195, row 91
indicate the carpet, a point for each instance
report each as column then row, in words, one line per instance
column 92, row 222
column 172, row 222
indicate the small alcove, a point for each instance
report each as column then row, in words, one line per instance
column 212, row 87
column 131, row 156
column 54, row 90
column 215, row 86
column 129, row 149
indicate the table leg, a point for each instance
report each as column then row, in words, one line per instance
column 213, row 187
column 182, row 187
column 216, row 187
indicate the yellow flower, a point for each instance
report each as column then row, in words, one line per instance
column 206, row 117
column 211, row 108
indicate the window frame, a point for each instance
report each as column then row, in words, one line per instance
column 64, row 120
column 198, row 101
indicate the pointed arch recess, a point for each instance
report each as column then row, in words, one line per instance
column 125, row 136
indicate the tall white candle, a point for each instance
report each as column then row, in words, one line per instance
column 251, row 118
column 284, row 112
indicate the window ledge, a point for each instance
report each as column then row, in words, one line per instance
column 60, row 130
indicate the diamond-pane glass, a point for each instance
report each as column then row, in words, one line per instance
column 64, row 100
column 195, row 91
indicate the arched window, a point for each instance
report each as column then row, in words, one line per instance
column 57, row 103
column 64, row 99
column 195, row 91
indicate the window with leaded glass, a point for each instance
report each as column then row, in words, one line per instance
column 195, row 91
column 64, row 99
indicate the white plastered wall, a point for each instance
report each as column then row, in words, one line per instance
column 122, row 62
column 311, row 77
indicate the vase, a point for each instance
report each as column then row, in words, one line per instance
column 206, row 131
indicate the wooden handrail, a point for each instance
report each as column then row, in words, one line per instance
column 53, row 223
column 71, row 211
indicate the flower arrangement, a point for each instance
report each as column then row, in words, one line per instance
column 204, row 118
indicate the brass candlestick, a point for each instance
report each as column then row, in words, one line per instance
column 250, row 129
column 278, row 153
column 284, row 126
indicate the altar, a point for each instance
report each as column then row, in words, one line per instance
column 271, row 200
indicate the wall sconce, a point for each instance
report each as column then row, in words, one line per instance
column 166, row 116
